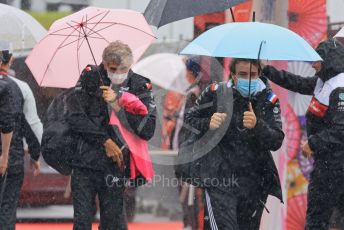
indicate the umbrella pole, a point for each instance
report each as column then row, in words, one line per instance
column 94, row 59
column 249, row 84
column 232, row 13
column 259, row 52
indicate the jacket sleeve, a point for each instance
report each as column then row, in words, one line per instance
column 268, row 131
column 142, row 126
column 31, row 139
column 82, row 124
column 30, row 112
column 198, row 117
column 334, row 133
column 292, row 82
column 6, row 111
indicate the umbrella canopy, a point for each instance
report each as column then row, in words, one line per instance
column 308, row 18
column 292, row 132
column 340, row 34
column 79, row 39
column 19, row 28
column 296, row 212
column 162, row 12
column 165, row 70
column 248, row 39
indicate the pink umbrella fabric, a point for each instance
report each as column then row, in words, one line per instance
column 140, row 162
column 132, row 104
column 58, row 59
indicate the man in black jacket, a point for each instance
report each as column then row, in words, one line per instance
column 98, row 162
column 239, row 172
column 325, row 130
column 15, row 171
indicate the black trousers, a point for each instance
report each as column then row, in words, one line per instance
column 325, row 195
column 8, row 209
column 235, row 208
column 86, row 184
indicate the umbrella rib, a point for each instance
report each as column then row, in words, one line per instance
column 62, row 45
column 77, row 23
column 122, row 24
column 83, row 38
column 77, row 50
column 96, row 32
column 97, row 23
column 70, row 27
column 55, row 52
column 65, row 35
column 103, row 12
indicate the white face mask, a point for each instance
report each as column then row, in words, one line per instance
column 117, row 79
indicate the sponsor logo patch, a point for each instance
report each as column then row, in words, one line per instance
column 341, row 96
column 317, row 108
column 276, row 110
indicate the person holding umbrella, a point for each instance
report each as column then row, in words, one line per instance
column 116, row 66
column 99, row 165
column 15, row 173
column 239, row 173
column 325, row 130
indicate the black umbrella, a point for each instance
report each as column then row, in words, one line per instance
column 162, row 12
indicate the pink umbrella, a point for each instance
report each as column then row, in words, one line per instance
column 79, row 39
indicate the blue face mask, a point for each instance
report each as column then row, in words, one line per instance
column 243, row 86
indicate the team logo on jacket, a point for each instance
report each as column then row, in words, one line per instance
column 317, row 108
column 276, row 110
column 341, row 96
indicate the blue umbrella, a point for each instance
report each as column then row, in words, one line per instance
column 253, row 40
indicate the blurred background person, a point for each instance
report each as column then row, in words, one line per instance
column 190, row 197
column 22, row 129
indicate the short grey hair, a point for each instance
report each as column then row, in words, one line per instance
column 119, row 53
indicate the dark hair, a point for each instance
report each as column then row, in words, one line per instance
column 235, row 61
column 193, row 65
column 90, row 80
column 6, row 57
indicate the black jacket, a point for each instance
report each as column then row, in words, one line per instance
column 241, row 151
column 21, row 129
column 88, row 117
column 325, row 115
column 185, row 132
column 6, row 113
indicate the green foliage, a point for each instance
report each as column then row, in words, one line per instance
column 47, row 18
